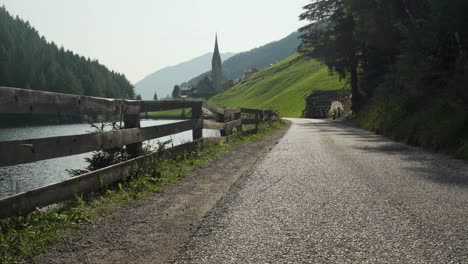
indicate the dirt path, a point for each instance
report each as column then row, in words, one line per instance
column 156, row 229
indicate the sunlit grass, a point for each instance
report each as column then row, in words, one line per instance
column 283, row 87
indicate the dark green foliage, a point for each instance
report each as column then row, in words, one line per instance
column 330, row 39
column 103, row 158
column 27, row 60
column 412, row 64
column 155, row 97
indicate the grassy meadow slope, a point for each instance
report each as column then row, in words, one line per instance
column 284, row 87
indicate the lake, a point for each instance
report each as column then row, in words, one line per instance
column 25, row 177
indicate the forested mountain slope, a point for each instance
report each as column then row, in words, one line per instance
column 27, row 60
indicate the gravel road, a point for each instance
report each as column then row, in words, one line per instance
column 156, row 229
column 329, row 193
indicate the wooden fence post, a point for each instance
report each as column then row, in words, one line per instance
column 222, row 119
column 239, row 128
column 133, row 121
column 257, row 118
column 197, row 113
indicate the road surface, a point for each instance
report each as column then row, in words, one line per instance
column 329, row 193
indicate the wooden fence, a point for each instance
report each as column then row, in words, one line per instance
column 22, row 101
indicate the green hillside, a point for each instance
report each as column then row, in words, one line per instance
column 284, row 87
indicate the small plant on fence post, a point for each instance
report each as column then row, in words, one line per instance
column 197, row 113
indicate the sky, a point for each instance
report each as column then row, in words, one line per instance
column 138, row 37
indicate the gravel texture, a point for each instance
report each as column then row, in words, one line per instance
column 329, row 193
column 156, row 229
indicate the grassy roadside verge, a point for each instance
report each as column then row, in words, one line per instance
column 431, row 124
column 24, row 237
column 171, row 114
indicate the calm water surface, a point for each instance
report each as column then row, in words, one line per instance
column 20, row 178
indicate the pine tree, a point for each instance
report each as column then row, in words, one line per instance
column 176, row 92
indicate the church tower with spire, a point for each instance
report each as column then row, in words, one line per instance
column 216, row 69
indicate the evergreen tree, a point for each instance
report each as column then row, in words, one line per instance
column 176, row 92
column 155, row 97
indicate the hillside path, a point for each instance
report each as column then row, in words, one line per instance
column 329, row 193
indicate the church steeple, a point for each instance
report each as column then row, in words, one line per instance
column 216, row 49
column 216, row 69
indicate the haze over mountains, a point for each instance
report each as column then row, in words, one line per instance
column 162, row 81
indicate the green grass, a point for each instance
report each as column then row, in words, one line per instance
column 26, row 236
column 430, row 123
column 171, row 114
column 284, row 87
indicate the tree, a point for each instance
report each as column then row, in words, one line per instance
column 155, row 97
column 138, row 97
column 330, row 39
column 205, row 85
column 176, row 92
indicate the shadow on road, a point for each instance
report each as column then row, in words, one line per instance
column 426, row 165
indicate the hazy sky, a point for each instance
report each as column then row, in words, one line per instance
column 137, row 37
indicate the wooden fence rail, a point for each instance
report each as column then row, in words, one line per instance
column 22, row 101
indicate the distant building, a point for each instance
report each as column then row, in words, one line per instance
column 249, row 72
column 216, row 68
column 188, row 91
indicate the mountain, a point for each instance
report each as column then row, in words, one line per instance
column 283, row 86
column 260, row 58
column 27, row 60
column 162, row 81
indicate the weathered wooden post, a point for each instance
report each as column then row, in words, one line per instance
column 131, row 119
column 222, row 119
column 257, row 119
column 197, row 113
column 239, row 128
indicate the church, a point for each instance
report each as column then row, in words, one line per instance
column 216, row 68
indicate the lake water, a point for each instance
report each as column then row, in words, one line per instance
column 25, row 177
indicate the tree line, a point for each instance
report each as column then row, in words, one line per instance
column 28, row 60
column 413, row 47
column 405, row 61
